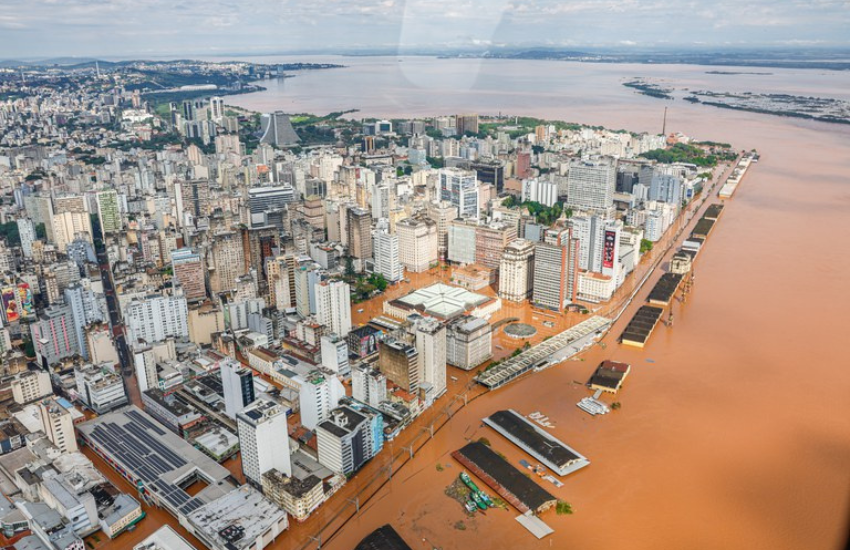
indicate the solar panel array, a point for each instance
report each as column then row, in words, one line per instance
column 146, row 457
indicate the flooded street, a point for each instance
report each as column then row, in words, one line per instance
column 737, row 435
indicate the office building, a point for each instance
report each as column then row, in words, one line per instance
column 387, row 256
column 263, row 440
column 460, row 189
column 591, row 184
column 442, row 213
column 462, row 240
column 237, row 382
column 68, row 226
column 228, row 261
column 99, row 388
column 333, row 306
column 54, row 335
column 58, row 425
column 108, row 211
column 319, row 394
column 490, row 242
column 543, row 191
column 554, row 285
column 87, row 308
column 466, row 124
column 26, row 230
column 335, row 354
column 189, row 272
column 157, row 317
column 359, row 227
column 469, row 342
column 417, row 242
column 430, row 344
column 348, row 439
column 31, row 386
column 368, row 385
column 299, row 497
column 400, row 362
column 516, row 271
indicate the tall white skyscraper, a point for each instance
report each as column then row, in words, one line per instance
column 26, row 229
column 333, row 306
column 237, row 382
column 431, row 345
column 335, row 354
column 387, row 256
column 157, row 317
column 263, row 440
column 460, row 188
column 319, row 395
column 591, row 184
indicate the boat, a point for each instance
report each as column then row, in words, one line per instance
column 469, row 483
column 478, row 500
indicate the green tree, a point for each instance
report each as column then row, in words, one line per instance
column 40, row 231
column 645, row 246
column 378, row 281
column 349, row 266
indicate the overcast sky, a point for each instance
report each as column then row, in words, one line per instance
column 30, row 28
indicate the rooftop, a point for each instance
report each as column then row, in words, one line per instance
column 164, row 538
column 442, row 301
column 160, row 460
column 236, row 520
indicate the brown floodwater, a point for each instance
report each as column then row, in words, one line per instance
column 738, row 434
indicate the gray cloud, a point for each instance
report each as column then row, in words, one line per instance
column 31, row 28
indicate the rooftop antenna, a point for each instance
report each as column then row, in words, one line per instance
column 97, row 68
column 664, row 126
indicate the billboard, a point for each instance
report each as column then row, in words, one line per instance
column 368, row 345
column 10, row 305
column 608, row 249
column 25, row 300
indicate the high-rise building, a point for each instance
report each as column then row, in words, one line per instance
column 100, row 388
column 108, row 211
column 263, row 440
column 460, row 189
column 30, row 386
column 490, row 171
column 359, row 238
column 189, row 272
column 555, row 270
column 58, row 425
column 228, row 261
column 216, row 109
column 442, row 213
column 87, row 308
column 431, row 346
column 54, row 335
column 333, row 306
column 591, row 184
column 462, row 240
column 26, row 229
column 335, row 354
column 348, row 439
column 144, row 362
column 400, row 363
column 516, row 271
column 263, row 200
column 543, row 191
column 318, row 396
column 469, row 342
column 157, row 317
column 417, row 243
column 368, row 385
column 68, row 226
column 237, row 382
column 466, row 123
column 666, row 188
column 387, row 260
column 490, row 242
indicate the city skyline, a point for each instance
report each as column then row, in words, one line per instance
column 120, row 28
